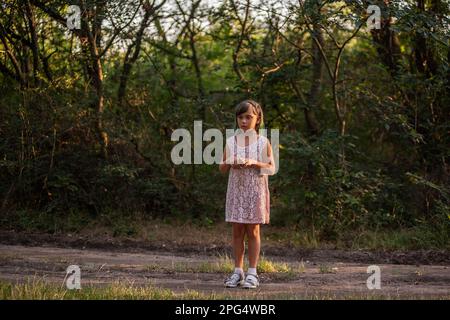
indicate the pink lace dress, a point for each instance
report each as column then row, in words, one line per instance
column 248, row 197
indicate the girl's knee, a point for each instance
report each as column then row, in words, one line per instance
column 238, row 231
column 253, row 231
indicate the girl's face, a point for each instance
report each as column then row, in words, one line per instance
column 248, row 119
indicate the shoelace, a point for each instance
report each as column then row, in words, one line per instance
column 252, row 279
column 234, row 277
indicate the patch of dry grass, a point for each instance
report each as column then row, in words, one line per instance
column 37, row 289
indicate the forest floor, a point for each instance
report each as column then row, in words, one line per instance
column 287, row 271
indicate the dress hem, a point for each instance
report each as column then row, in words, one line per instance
column 245, row 222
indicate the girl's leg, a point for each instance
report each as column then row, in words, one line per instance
column 238, row 244
column 254, row 244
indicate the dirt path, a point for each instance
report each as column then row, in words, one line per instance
column 317, row 274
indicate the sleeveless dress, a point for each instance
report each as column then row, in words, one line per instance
column 248, row 197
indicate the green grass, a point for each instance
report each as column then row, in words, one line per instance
column 37, row 289
column 265, row 265
column 412, row 238
column 404, row 239
column 225, row 264
column 326, row 269
column 138, row 226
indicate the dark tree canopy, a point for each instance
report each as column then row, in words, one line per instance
column 86, row 115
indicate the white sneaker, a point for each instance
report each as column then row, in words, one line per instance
column 236, row 279
column 251, row 281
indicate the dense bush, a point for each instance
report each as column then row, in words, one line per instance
column 362, row 114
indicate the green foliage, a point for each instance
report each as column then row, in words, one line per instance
column 332, row 195
column 388, row 170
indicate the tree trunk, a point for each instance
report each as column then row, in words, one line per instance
column 316, row 83
column 387, row 40
column 97, row 82
column 34, row 40
column 128, row 62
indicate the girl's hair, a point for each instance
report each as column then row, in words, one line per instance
column 243, row 107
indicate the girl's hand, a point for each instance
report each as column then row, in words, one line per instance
column 237, row 163
column 250, row 163
column 245, row 163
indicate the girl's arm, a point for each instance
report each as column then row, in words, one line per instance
column 267, row 166
column 223, row 166
column 226, row 163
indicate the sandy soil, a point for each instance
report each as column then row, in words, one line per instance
column 324, row 273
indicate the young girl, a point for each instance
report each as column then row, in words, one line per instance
column 249, row 155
